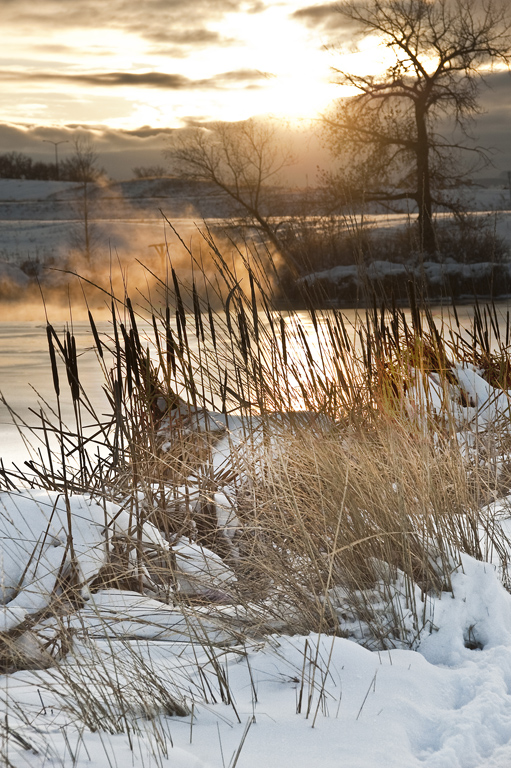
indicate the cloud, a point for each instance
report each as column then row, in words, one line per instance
column 16, row 135
column 325, row 15
column 149, row 19
column 243, row 75
column 173, row 29
column 146, row 131
column 118, row 150
column 318, row 15
column 53, row 48
column 122, row 149
column 326, row 20
column 498, row 84
column 188, row 36
column 163, row 80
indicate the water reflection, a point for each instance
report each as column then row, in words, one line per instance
column 25, row 374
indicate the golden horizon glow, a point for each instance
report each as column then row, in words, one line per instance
column 292, row 73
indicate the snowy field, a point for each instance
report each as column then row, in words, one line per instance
column 297, row 701
column 42, row 220
column 281, row 700
column 147, row 681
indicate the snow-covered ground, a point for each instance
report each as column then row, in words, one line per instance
column 150, row 683
column 42, row 220
column 51, row 241
column 291, row 702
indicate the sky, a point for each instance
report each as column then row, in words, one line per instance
column 132, row 71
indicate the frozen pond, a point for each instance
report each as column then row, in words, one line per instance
column 25, row 374
column 26, row 379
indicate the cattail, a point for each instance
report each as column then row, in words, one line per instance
column 95, row 334
column 53, row 360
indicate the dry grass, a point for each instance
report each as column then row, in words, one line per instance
column 352, row 495
column 355, row 485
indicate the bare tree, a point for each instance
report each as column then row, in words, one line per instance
column 243, row 159
column 441, row 50
column 82, row 167
column 17, row 165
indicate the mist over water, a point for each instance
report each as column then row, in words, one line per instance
column 119, row 237
column 131, row 256
column 71, row 285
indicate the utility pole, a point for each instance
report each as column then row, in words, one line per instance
column 56, row 144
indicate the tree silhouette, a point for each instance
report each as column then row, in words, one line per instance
column 441, row 51
column 242, row 159
column 82, row 167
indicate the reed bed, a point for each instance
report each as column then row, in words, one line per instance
column 336, row 471
column 310, row 456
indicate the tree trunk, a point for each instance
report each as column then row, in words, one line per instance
column 424, row 202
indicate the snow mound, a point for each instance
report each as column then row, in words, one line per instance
column 46, row 539
column 468, row 398
column 476, row 616
column 126, row 614
column 36, row 549
column 31, row 189
column 201, row 571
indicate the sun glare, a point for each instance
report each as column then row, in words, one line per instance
column 267, row 62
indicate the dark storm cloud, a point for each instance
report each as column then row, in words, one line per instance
column 498, row 85
column 14, row 138
column 163, row 80
column 491, row 128
column 29, row 138
column 146, row 132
